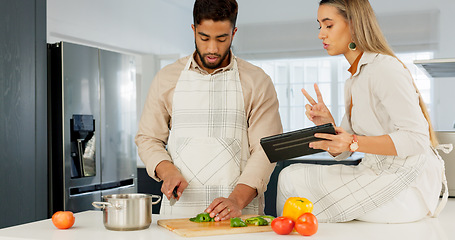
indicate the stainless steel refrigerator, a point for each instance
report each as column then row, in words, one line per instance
column 92, row 123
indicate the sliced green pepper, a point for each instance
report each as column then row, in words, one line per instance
column 202, row 217
column 237, row 222
column 268, row 218
column 258, row 221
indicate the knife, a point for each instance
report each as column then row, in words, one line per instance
column 174, row 196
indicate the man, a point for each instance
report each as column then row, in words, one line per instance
column 217, row 108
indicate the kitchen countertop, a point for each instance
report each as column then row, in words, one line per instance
column 89, row 225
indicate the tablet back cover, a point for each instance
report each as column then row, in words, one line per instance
column 293, row 144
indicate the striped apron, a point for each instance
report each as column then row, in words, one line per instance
column 208, row 142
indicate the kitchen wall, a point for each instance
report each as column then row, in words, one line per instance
column 406, row 32
column 135, row 26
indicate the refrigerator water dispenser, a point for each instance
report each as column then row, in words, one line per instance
column 83, row 146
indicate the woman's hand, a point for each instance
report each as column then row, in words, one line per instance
column 317, row 112
column 335, row 144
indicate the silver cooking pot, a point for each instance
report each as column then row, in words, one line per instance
column 126, row 212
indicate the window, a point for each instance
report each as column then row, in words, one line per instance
column 291, row 75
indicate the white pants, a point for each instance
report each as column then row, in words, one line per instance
column 407, row 206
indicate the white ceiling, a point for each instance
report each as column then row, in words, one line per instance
column 164, row 26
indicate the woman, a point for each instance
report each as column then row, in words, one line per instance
column 399, row 179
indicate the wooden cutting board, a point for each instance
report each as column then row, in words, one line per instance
column 184, row 227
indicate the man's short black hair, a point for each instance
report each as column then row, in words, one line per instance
column 216, row 10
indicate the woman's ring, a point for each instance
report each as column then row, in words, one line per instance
column 328, row 149
column 229, row 210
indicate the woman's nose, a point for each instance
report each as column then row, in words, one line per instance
column 321, row 34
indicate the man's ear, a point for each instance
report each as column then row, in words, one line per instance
column 194, row 29
column 233, row 32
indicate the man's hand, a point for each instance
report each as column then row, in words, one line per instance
column 172, row 178
column 226, row 208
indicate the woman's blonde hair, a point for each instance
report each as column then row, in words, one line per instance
column 361, row 18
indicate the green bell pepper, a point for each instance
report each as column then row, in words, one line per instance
column 237, row 222
column 202, row 217
column 268, row 218
column 258, row 221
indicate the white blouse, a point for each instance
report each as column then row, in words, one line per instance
column 385, row 101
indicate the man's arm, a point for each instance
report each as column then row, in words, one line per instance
column 263, row 120
column 153, row 129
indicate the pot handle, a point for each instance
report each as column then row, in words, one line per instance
column 101, row 205
column 104, row 205
column 155, row 196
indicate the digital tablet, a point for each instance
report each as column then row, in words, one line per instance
column 294, row 144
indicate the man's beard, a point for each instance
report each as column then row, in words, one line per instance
column 214, row 65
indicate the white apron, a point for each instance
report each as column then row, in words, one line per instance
column 342, row 193
column 208, row 142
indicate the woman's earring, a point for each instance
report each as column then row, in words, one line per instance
column 352, row 46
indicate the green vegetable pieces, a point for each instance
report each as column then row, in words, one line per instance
column 259, row 221
column 237, row 222
column 268, row 218
column 202, row 217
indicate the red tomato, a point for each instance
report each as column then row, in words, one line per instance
column 63, row 219
column 282, row 225
column 306, row 224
